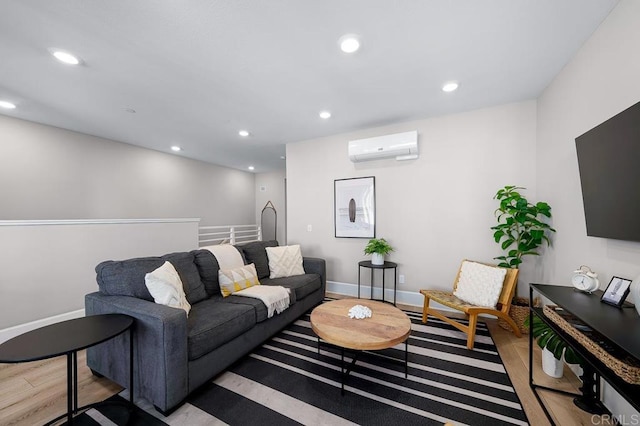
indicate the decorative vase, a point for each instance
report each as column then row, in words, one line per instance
column 377, row 259
column 550, row 365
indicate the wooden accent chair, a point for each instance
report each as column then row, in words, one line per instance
column 472, row 311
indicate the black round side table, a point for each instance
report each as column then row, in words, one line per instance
column 383, row 267
column 67, row 338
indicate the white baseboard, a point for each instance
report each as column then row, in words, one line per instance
column 411, row 298
column 16, row 330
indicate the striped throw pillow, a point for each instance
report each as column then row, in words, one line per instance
column 236, row 279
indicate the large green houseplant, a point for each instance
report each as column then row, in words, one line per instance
column 521, row 231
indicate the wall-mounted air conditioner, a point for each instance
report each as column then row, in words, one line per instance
column 402, row 146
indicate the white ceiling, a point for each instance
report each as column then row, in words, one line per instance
column 198, row 71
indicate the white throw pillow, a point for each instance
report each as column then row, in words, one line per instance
column 165, row 286
column 480, row 284
column 236, row 279
column 285, row 261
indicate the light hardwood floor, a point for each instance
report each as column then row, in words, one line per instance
column 33, row 393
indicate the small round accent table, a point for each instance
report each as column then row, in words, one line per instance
column 387, row 327
column 383, row 267
column 67, row 338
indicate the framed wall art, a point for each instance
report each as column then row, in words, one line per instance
column 355, row 207
column 616, row 291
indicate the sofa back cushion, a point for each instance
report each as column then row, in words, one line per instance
column 189, row 274
column 207, row 265
column 126, row 277
column 256, row 253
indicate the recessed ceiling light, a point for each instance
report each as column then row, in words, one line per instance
column 7, row 105
column 251, row 168
column 243, row 133
column 324, row 114
column 349, row 43
column 450, row 86
column 176, row 148
column 65, row 57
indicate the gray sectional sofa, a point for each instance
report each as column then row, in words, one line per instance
column 175, row 354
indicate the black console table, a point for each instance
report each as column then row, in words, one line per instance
column 383, row 267
column 620, row 328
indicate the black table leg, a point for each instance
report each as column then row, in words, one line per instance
column 70, row 387
column 590, row 399
column 131, row 365
column 371, row 285
column 75, row 381
column 406, row 358
column 383, row 292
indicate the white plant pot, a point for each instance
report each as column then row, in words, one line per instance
column 377, row 259
column 550, row 365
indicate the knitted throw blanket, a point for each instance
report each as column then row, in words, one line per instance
column 275, row 298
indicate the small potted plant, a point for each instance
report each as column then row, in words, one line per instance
column 377, row 248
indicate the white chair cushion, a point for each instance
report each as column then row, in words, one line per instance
column 480, row 284
column 285, row 261
column 165, row 286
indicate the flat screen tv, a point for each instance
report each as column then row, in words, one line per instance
column 609, row 163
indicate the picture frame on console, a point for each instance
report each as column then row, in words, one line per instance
column 616, row 291
column 355, row 207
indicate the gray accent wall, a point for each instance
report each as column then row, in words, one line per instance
column 51, row 173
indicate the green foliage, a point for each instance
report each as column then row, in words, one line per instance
column 548, row 338
column 520, row 230
column 378, row 245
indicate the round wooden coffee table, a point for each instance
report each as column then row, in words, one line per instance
column 387, row 327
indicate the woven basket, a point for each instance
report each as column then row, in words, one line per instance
column 519, row 313
column 627, row 368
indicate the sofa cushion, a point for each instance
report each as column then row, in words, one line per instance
column 126, row 277
column 255, row 253
column 257, row 305
column 188, row 271
column 301, row 285
column 212, row 323
column 208, row 268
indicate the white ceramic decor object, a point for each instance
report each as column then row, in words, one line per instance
column 359, row 312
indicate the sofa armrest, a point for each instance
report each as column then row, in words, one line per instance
column 315, row 265
column 160, row 349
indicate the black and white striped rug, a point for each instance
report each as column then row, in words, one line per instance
column 285, row 382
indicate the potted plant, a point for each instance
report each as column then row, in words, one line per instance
column 377, row 248
column 553, row 348
column 520, row 232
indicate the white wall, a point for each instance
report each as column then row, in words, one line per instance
column 599, row 82
column 435, row 211
column 51, row 173
column 271, row 187
column 48, row 267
